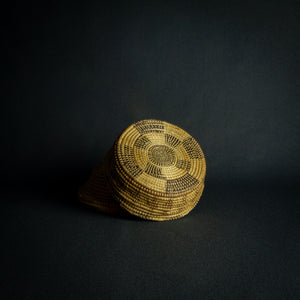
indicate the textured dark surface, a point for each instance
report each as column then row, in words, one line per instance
column 238, row 243
column 76, row 75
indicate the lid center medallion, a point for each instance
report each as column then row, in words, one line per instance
column 162, row 155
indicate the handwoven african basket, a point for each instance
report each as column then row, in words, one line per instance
column 155, row 170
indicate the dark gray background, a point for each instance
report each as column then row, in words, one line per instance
column 76, row 75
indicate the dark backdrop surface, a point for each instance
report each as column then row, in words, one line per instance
column 76, row 75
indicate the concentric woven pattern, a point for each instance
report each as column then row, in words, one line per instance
column 157, row 170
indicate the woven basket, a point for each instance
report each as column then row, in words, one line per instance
column 155, row 170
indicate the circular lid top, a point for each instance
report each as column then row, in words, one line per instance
column 160, row 158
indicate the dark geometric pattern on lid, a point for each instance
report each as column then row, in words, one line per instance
column 142, row 142
column 149, row 126
column 127, row 159
column 172, row 140
column 183, row 164
column 153, row 170
column 192, row 148
column 186, row 182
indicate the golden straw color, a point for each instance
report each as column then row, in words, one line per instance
column 155, row 170
column 95, row 193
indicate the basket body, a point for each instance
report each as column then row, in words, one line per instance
column 155, row 170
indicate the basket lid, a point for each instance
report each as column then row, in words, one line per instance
column 160, row 157
column 157, row 170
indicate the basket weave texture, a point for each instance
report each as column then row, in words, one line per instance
column 155, row 170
